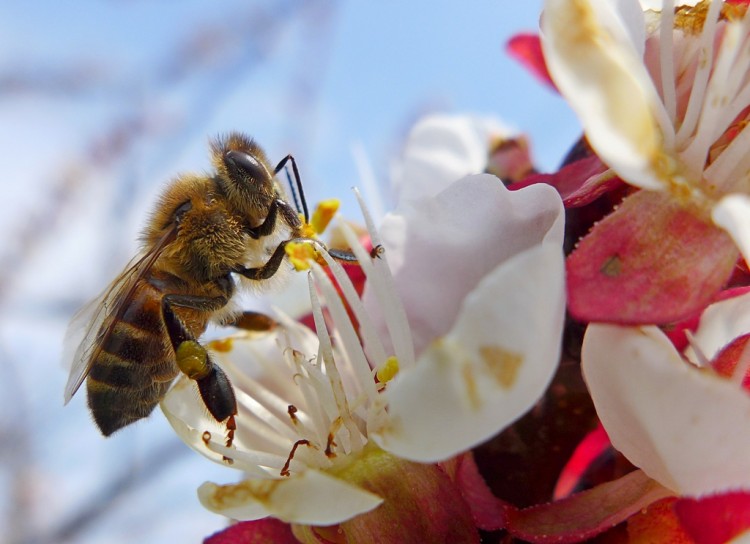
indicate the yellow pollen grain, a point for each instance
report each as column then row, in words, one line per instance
column 324, row 212
column 388, row 370
column 307, row 230
column 223, row 345
column 690, row 19
column 300, row 255
column 733, row 12
column 502, row 364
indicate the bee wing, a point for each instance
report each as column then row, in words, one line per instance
column 92, row 324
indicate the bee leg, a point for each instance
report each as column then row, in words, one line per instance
column 267, row 270
column 193, row 359
column 343, row 255
column 253, row 321
column 213, row 384
column 277, row 207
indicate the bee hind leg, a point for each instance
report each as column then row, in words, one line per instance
column 194, row 360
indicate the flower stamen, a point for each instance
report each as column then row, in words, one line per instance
column 285, row 469
column 292, row 411
column 332, row 373
column 388, row 370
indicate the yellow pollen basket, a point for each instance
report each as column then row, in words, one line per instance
column 192, row 360
column 388, row 369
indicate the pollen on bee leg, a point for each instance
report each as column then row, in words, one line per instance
column 192, row 359
column 297, row 444
column 300, row 254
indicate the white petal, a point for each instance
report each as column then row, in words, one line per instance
column 492, row 367
column 441, row 149
column 742, row 538
column 312, row 498
column 596, row 61
column 732, row 213
column 440, row 248
column 721, row 323
column 189, row 417
column 686, row 428
column 630, row 15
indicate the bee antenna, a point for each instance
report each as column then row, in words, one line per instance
column 298, row 193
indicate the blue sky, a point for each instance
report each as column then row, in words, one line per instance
column 101, row 102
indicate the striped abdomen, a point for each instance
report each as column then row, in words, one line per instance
column 135, row 366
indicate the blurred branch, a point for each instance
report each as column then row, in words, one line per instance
column 15, row 448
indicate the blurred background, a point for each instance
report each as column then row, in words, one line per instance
column 102, row 102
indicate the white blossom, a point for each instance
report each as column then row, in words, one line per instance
column 465, row 300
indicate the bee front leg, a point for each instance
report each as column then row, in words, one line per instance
column 277, row 207
column 272, row 265
column 267, row 270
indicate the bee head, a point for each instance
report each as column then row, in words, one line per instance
column 244, row 175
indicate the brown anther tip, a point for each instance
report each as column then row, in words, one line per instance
column 292, row 411
column 329, row 447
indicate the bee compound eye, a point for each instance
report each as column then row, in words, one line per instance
column 181, row 210
column 247, row 164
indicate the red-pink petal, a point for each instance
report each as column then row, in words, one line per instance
column 578, row 183
column 677, row 332
column 488, row 511
column 658, row 523
column 727, row 359
column 591, row 448
column 717, row 519
column 262, row 531
column 588, row 513
column 527, row 49
column 650, row 261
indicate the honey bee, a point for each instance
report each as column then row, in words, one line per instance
column 133, row 340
